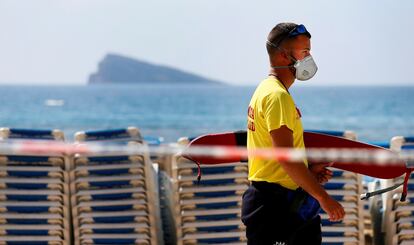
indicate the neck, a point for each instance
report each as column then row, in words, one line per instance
column 284, row 76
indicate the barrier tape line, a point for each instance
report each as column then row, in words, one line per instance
column 39, row 147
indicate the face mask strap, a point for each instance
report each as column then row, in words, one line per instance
column 282, row 67
column 293, row 59
column 291, row 67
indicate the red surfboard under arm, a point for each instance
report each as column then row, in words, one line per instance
column 312, row 140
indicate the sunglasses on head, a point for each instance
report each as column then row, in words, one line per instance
column 298, row 30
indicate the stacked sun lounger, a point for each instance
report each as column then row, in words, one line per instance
column 34, row 205
column 398, row 220
column 208, row 212
column 166, row 204
column 114, row 197
column 345, row 187
column 373, row 209
column 368, row 229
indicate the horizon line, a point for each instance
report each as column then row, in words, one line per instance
column 298, row 84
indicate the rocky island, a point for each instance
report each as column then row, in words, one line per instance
column 117, row 69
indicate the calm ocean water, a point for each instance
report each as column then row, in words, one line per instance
column 374, row 113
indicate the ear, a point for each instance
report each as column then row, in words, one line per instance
column 285, row 55
column 279, row 56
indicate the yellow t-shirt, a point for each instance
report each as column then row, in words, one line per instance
column 270, row 108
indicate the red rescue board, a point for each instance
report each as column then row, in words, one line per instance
column 312, row 140
column 383, row 170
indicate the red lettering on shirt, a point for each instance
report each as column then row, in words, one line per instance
column 250, row 126
column 250, row 112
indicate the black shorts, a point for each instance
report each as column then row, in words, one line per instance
column 269, row 220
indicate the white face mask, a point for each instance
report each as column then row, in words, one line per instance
column 305, row 68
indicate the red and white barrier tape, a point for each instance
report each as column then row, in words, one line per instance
column 39, row 147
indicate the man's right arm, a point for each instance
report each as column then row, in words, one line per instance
column 300, row 174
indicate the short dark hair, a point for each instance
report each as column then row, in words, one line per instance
column 279, row 34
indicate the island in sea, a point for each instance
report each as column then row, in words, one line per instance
column 118, row 69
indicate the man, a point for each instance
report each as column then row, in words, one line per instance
column 281, row 205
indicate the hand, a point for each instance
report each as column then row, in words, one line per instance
column 333, row 208
column 321, row 173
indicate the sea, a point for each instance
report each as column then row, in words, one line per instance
column 168, row 112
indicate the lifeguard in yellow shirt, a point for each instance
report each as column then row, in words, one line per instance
column 282, row 204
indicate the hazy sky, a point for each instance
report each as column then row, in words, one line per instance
column 365, row 42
